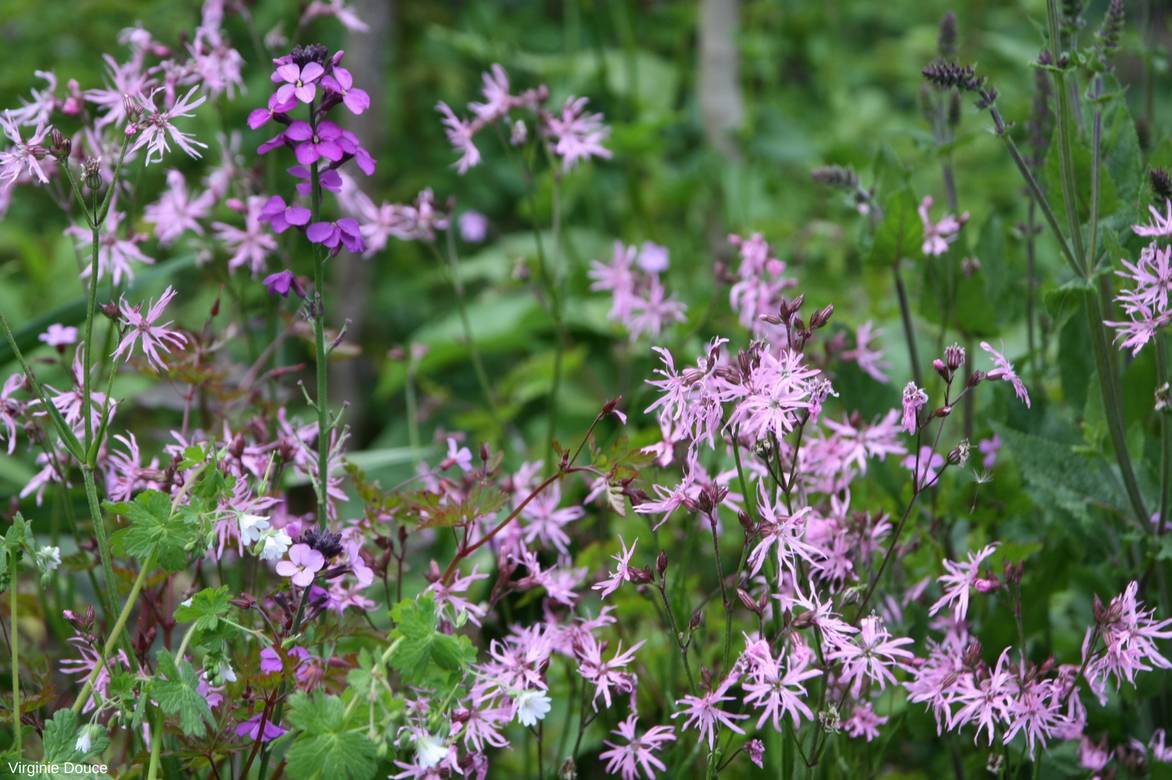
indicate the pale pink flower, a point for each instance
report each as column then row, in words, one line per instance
column 961, row 577
column 914, row 399
column 577, row 135
column 621, row 574
column 703, row 713
column 1003, row 369
column 304, row 562
column 938, row 236
column 863, row 722
column 639, row 752
column 870, row 655
column 141, row 329
column 157, row 126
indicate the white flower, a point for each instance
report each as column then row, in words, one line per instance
column 82, row 745
column 185, row 603
column 275, row 545
column 532, row 706
column 48, row 558
column 251, row 527
column 430, row 751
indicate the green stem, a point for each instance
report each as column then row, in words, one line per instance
column 109, row 593
column 1063, row 120
column 1112, row 406
column 905, row 315
column 466, row 324
column 119, row 625
column 558, row 282
column 14, row 643
column 1165, row 434
column 156, row 746
column 321, row 365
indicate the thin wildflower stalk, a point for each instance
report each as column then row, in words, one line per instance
column 1165, row 433
column 558, row 282
column 156, row 745
column 453, row 263
column 14, row 643
column 905, row 315
column 1100, row 345
column 119, row 625
column 321, row 362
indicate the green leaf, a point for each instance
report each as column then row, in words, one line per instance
column 1059, row 478
column 324, row 747
column 205, row 608
column 424, row 656
column 153, row 529
column 60, row 741
column 175, row 689
column 900, row 233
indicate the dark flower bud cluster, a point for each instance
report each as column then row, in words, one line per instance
column 943, row 73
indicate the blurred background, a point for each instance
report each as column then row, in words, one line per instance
column 719, row 110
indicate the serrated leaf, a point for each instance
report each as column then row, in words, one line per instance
column 323, row 746
column 423, row 655
column 60, row 740
column 153, row 529
column 206, row 608
column 176, row 691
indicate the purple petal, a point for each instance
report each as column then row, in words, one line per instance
column 357, row 101
column 299, row 131
column 319, row 232
column 257, row 117
column 289, row 72
column 311, row 71
column 306, row 92
column 330, row 150
column 306, row 153
column 297, row 215
column 285, row 93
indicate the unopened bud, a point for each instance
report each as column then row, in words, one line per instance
column 91, row 173
column 59, row 145
column 661, row 562
column 941, row 369
column 747, row 601
column 959, row 454
column 821, row 317
column 1163, row 398
column 695, row 621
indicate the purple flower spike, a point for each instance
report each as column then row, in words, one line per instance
column 299, row 81
column 281, row 217
column 343, row 83
column 282, row 282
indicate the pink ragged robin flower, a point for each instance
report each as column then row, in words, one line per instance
column 639, row 752
column 154, row 339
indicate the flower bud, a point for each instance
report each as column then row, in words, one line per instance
column 959, row 455
column 661, row 562
column 747, row 601
column 941, row 369
column 59, row 145
column 695, row 620
column 91, row 173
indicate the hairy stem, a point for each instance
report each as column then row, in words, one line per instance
column 119, row 625
column 909, row 332
column 14, row 644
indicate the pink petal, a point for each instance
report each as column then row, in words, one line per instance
column 311, row 72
